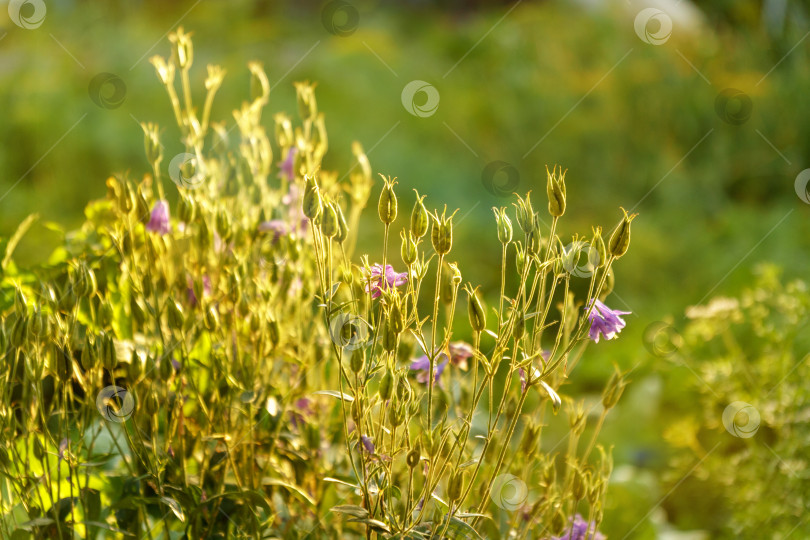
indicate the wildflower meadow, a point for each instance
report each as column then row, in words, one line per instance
column 252, row 327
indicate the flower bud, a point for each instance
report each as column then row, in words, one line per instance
column 396, row 319
column 204, row 236
column 620, row 239
column 520, row 326
column 476, row 311
column 579, row 483
column 165, row 368
column 389, row 338
column 274, row 332
column 63, row 363
column 419, row 217
column 387, row 207
column 185, row 208
column 520, row 259
column 504, row 225
column 135, row 369
column 555, row 189
column 89, row 357
column 396, row 415
column 109, row 358
column 598, row 244
column 223, row 224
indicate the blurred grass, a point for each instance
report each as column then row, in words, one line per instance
column 635, row 125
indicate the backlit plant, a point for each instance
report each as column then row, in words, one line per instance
column 229, row 368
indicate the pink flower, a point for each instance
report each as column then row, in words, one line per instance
column 393, row 279
column 159, row 220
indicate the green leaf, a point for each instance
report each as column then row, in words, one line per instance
column 373, row 523
column 175, row 508
column 350, row 509
column 16, row 237
column 295, row 489
column 337, row 481
column 335, row 393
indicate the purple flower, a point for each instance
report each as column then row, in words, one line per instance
column 159, row 220
column 460, row 351
column 286, row 166
column 392, row 279
column 301, row 409
column 579, row 529
column 367, row 444
column 422, row 365
column 63, row 444
column 605, row 321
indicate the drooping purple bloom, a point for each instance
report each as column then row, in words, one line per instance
column 367, row 444
column 460, row 352
column 605, row 321
column 159, row 219
column 579, row 529
column 376, row 283
column 286, row 166
column 422, row 365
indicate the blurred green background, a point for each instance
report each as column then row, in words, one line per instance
column 703, row 134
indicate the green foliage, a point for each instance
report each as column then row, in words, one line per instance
column 743, row 475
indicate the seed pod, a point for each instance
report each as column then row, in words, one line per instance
column 151, row 404
column 419, row 217
column 387, row 207
column 613, row 389
column 558, row 523
column 396, row 320
column 504, row 225
column 175, row 315
column 535, row 240
column 525, row 214
column 520, row 326
column 620, row 239
column 109, row 358
column 223, row 224
column 204, row 236
column 312, row 205
column 137, row 310
column 578, row 484
column 441, row 235
column 413, row 457
column 343, row 228
column 135, row 370
column 63, row 363
column 476, row 311
column 165, row 369
column 598, row 244
column 89, row 357
column 409, row 250
column 273, row 330
column 389, row 339
column 186, row 208
column 19, row 332
column 386, row 385
column 357, row 360
column 305, row 96
column 396, row 415
column 329, row 223
column 105, row 314
column 455, row 486
column 555, row 189
column 211, row 318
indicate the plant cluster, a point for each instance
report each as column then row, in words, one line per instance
column 226, row 370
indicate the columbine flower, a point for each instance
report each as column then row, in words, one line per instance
column 605, row 321
column 579, row 529
column 422, row 365
column 460, row 351
column 367, row 444
column 159, row 220
column 393, row 279
column 286, row 166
